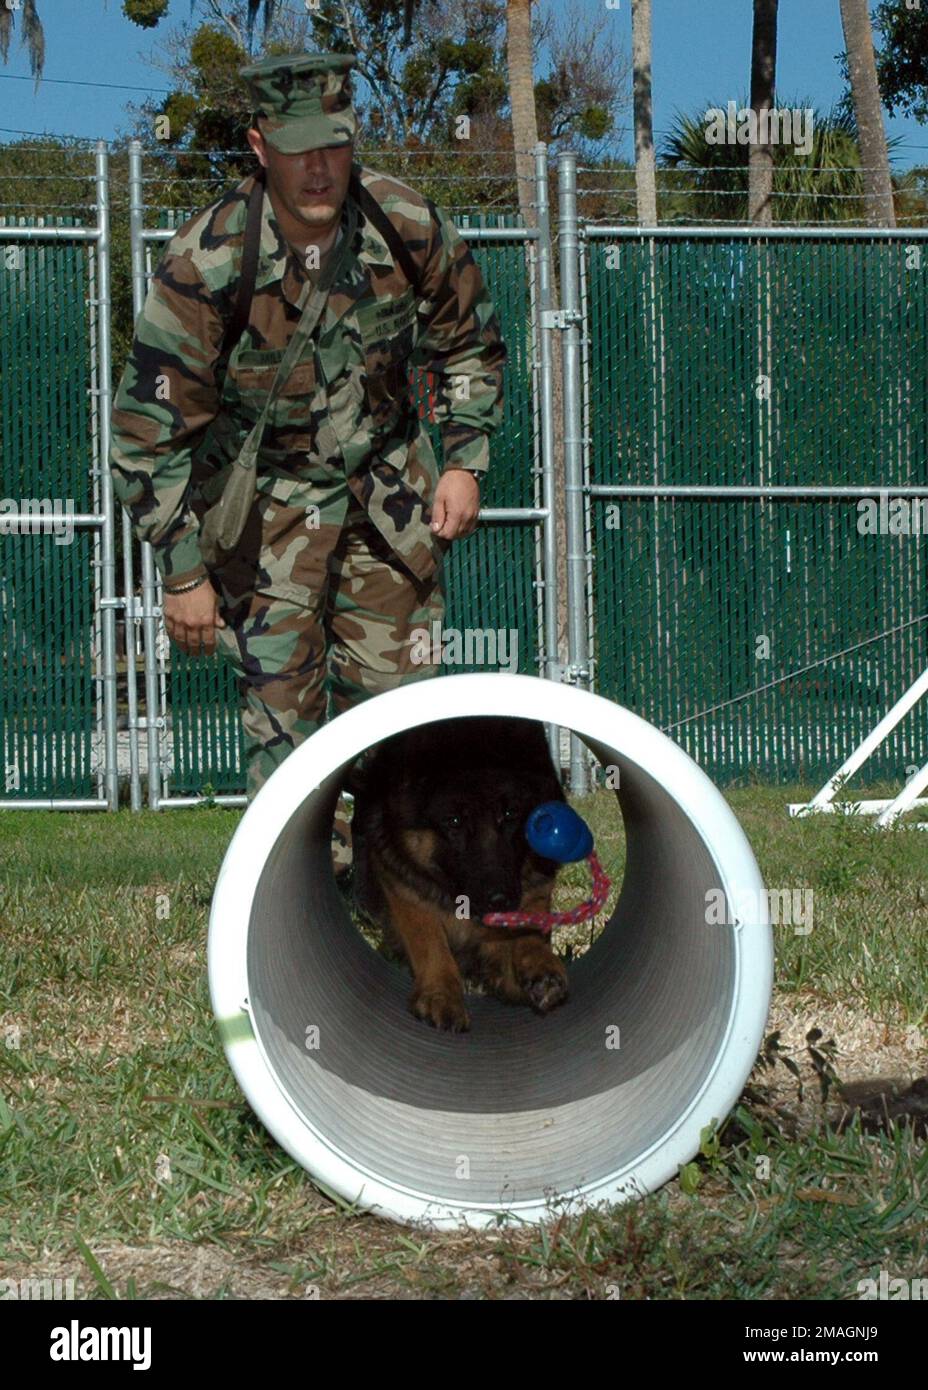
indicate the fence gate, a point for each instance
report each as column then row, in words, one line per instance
column 58, row 697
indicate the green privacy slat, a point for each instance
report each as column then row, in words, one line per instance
column 672, row 649
column 206, row 736
column 47, row 690
column 45, row 374
column 684, row 592
column 490, row 587
column 47, row 697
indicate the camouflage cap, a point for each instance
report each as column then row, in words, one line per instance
column 304, row 99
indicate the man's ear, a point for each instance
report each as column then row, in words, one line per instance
column 256, row 141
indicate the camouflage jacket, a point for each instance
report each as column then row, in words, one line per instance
column 344, row 418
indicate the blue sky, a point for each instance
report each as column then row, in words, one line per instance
column 701, row 53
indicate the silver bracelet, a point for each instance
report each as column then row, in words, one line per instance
column 185, row 588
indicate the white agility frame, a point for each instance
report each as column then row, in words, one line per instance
column 887, row 811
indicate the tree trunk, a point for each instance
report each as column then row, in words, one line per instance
column 645, row 185
column 522, row 101
column 865, row 91
column 763, row 84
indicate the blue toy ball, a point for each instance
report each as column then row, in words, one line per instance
column 555, row 831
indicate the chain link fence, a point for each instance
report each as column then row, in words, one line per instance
column 729, row 397
column 759, row 387
column 58, row 602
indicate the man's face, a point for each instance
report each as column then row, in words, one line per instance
column 311, row 186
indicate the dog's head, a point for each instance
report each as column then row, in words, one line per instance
column 476, row 824
column 462, row 792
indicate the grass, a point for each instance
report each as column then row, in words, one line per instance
column 130, row 1160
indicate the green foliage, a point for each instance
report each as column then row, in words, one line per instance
column 823, row 186
column 594, row 123
column 473, row 56
column 211, row 111
column 145, row 13
column 402, row 95
column 213, row 51
column 407, row 97
column 565, row 109
column 546, row 102
column 417, row 76
column 690, row 1178
column 902, row 60
column 181, row 110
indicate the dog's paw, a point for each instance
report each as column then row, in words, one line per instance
column 546, row 992
column 542, row 976
column 443, row 1008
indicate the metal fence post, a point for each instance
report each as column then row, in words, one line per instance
column 150, row 612
column 578, row 670
column 108, row 558
column 131, row 608
column 546, row 403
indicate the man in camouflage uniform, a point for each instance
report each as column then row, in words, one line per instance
column 340, row 558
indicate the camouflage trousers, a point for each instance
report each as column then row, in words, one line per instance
column 337, row 631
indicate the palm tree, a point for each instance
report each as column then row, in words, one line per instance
column 825, row 186
column 645, row 185
column 522, row 102
column 763, row 84
column 865, row 91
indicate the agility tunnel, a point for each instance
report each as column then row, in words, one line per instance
column 524, row 1116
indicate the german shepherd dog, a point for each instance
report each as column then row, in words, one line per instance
column 438, row 841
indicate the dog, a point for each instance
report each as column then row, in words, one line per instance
column 438, row 841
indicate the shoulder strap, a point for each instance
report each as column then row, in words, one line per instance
column 376, row 215
column 249, row 268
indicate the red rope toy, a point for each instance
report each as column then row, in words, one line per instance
column 555, row 831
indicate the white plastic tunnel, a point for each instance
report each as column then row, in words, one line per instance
column 524, row 1116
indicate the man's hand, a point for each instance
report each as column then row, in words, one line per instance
column 456, row 505
column 192, row 618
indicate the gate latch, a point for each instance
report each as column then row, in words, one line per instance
column 571, row 673
column 560, row 318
